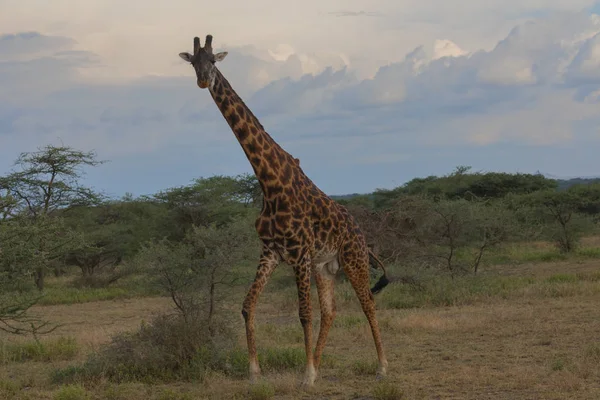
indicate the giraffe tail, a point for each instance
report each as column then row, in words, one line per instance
column 384, row 280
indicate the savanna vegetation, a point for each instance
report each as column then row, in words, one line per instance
column 494, row 294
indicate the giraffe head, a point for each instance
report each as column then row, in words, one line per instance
column 203, row 60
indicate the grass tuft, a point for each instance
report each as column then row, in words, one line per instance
column 170, row 394
column 261, row 391
column 387, row 391
column 362, row 367
column 63, row 348
column 349, row 321
column 8, row 389
column 71, row 392
column 558, row 364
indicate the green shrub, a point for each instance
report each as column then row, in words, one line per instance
column 169, row 348
column 69, row 374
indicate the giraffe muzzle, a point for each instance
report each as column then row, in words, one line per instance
column 202, row 84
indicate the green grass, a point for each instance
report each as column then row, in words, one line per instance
column 441, row 290
column 63, row 348
column 170, row 394
column 261, row 391
column 562, row 278
column 589, row 252
column 349, row 321
column 61, row 291
column 76, row 295
column 8, row 389
column 232, row 363
column 282, row 359
column 54, row 295
column 125, row 391
column 71, row 392
column 520, row 253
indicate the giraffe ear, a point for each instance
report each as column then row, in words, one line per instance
column 186, row 56
column 220, row 56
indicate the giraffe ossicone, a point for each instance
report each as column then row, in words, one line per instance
column 298, row 224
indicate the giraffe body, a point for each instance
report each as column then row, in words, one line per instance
column 298, row 224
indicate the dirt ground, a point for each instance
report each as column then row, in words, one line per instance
column 527, row 348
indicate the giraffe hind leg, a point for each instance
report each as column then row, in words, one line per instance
column 325, row 279
column 303, row 273
column 355, row 262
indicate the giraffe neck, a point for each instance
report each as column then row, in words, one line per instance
column 272, row 165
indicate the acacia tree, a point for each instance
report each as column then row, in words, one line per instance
column 217, row 199
column 249, row 191
column 191, row 271
column 453, row 235
column 114, row 232
column 559, row 211
column 43, row 184
column 20, row 257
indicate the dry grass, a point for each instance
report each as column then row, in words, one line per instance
column 530, row 346
column 91, row 324
column 543, row 270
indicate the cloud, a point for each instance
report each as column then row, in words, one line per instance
column 585, row 68
column 28, row 43
column 156, row 34
column 519, row 94
column 33, row 65
column 355, row 13
column 532, row 94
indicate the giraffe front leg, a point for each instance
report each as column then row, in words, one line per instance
column 302, row 272
column 268, row 262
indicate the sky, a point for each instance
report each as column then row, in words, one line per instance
column 367, row 94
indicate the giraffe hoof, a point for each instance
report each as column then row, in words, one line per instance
column 254, row 372
column 308, row 381
column 381, row 373
column 307, row 384
column 255, row 378
column 310, row 376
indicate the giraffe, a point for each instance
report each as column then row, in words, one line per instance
column 298, row 224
